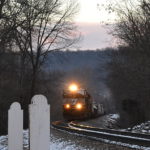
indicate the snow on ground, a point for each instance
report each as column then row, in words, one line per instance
column 106, row 121
column 61, row 140
column 3, row 143
column 141, row 128
column 111, row 121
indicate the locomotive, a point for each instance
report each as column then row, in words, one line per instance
column 78, row 104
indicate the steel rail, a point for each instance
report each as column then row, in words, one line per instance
column 113, row 131
column 104, row 134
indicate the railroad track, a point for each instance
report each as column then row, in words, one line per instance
column 133, row 140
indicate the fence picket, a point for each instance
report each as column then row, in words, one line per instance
column 15, row 127
column 39, row 115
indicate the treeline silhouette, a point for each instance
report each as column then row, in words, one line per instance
column 118, row 78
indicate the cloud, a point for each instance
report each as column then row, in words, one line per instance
column 95, row 36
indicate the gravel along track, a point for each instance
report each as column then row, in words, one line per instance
column 133, row 140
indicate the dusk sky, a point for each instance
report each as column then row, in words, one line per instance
column 89, row 22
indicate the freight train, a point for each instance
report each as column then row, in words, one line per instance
column 78, row 104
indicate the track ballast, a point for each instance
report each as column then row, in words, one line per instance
column 114, row 136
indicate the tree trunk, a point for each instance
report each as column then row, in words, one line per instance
column 33, row 81
column 22, row 70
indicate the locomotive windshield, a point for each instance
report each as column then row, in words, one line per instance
column 73, row 101
column 73, row 95
column 78, row 94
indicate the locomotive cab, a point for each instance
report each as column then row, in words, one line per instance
column 77, row 103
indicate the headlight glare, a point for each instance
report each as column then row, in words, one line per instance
column 67, row 106
column 79, row 106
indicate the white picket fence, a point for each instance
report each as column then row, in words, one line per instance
column 39, row 125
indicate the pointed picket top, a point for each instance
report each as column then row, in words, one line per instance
column 39, row 100
column 15, row 106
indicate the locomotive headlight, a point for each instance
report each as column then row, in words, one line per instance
column 67, row 106
column 73, row 87
column 79, row 106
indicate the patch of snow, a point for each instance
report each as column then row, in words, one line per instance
column 114, row 116
column 26, row 138
column 106, row 121
column 59, row 145
column 54, row 143
column 141, row 128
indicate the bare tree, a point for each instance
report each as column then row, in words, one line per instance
column 9, row 12
column 130, row 21
column 129, row 66
column 47, row 26
column 133, row 26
